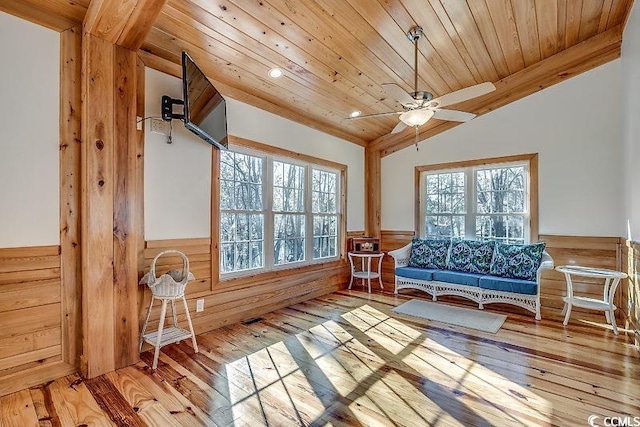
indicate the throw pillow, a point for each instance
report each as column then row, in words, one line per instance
column 517, row 261
column 429, row 253
column 471, row 256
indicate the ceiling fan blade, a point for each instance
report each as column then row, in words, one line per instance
column 396, row 92
column 464, row 94
column 453, row 115
column 399, row 127
column 367, row 116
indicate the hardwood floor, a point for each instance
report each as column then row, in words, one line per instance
column 342, row 359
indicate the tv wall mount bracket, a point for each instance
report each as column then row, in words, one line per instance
column 167, row 108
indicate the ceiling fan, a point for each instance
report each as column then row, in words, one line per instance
column 420, row 106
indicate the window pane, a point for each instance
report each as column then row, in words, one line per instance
column 501, row 190
column 227, row 227
column 288, row 187
column 227, row 195
column 227, row 257
column 257, row 255
column 444, row 226
column 242, row 256
column 505, row 228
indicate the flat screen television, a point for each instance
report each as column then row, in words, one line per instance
column 205, row 110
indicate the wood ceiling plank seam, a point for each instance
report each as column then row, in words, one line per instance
column 166, row 66
column 604, row 16
column 223, row 50
column 334, row 36
column 451, row 30
column 383, row 51
column 436, row 67
column 435, row 31
column 574, row 18
column 482, row 17
column 505, row 34
column 591, row 53
column 562, row 25
column 547, row 21
column 619, row 12
column 332, row 97
column 363, row 99
column 264, row 89
column 504, row 23
column 386, row 32
column 524, row 12
column 468, row 31
column 590, row 18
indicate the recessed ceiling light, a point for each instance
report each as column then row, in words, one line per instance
column 355, row 114
column 275, row 73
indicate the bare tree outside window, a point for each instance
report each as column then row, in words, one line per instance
column 324, row 188
column 501, row 204
column 241, row 216
column 288, row 207
column 445, row 205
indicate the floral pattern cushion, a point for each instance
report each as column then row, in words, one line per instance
column 429, row 253
column 517, row 261
column 471, row 256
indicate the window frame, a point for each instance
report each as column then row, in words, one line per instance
column 469, row 167
column 269, row 154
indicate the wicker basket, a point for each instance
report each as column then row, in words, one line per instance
column 171, row 284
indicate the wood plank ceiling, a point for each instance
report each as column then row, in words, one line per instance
column 336, row 53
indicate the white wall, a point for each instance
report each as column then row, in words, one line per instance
column 180, row 173
column 177, row 176
column 575, row 126
column 29, row 135
column 631, row 88
column 252, row 123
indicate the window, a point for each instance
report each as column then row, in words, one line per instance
column 276, row 211
column 484, row 200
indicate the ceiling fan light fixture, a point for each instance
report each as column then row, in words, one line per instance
column 355, row 114
column 416, row 117
column 276, row 73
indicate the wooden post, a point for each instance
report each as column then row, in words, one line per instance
column 70, row 192
column 373, row 193
column 98, row 182
column 127, row 232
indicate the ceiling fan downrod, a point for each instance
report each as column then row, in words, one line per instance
column 414, row 35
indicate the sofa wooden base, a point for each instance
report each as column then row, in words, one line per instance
column 478, row 295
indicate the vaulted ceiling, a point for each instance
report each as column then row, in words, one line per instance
column 337, row 53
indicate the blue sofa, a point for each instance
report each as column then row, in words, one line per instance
column 484, row 272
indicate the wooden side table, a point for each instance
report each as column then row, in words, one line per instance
column 611, row 280
column 365, row 271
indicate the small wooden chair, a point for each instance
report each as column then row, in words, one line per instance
column 168, row 288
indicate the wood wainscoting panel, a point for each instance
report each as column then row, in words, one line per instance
column 241, row 298
column 31, row 345
column 630, row 292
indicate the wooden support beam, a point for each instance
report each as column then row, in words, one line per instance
column 112, row 221
column 98, row 182
column 122, row 22
column 127, row 231
column 582, row 57
column 373, row 192
column 70, row 192
column 58, row 16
